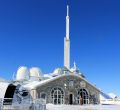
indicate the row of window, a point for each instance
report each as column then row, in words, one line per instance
column 57, row 95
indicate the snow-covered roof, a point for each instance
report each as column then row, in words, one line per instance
column 35, row 84
column 112, row 95
column 104, row 96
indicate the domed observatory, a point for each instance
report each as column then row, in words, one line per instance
column 57, row 72
column 23, row 74
column 36, row 74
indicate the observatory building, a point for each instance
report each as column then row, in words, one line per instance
column 63, row 86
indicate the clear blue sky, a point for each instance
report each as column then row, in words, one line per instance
column 32, row 34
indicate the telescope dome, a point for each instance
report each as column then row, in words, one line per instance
column 36, row 72
column 22, row 73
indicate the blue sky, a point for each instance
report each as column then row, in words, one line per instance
column 32, row 34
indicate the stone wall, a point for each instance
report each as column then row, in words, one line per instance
column 70, row 85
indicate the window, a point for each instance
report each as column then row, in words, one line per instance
column 71, row 83
column 57, row 95
column 83, row 97
column 43, row 95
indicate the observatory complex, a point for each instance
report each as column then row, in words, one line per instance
column 65, row 85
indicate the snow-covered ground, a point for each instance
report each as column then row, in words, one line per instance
column 85, row 107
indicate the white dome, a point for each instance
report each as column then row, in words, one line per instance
column 57, row 72
column 22, row 73
column 35, row 72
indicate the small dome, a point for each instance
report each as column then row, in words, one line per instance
column 57, row 72
column 35, row 72
column 22, row 73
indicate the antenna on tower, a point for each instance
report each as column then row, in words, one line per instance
column 67, row 23
column 67, row 10
column 67, row 41
column 67, row 7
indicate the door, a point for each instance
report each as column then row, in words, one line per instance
column 71, row 99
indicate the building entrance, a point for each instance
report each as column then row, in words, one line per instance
column 71, row 99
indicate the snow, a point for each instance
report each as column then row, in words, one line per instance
column 3, row 88
column 104, row 96
column 84, row 107
column 112, row 95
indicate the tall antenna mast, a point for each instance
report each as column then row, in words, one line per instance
column 67, row 42
column 67, row 23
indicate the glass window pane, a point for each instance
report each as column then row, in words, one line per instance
column 57, row 95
